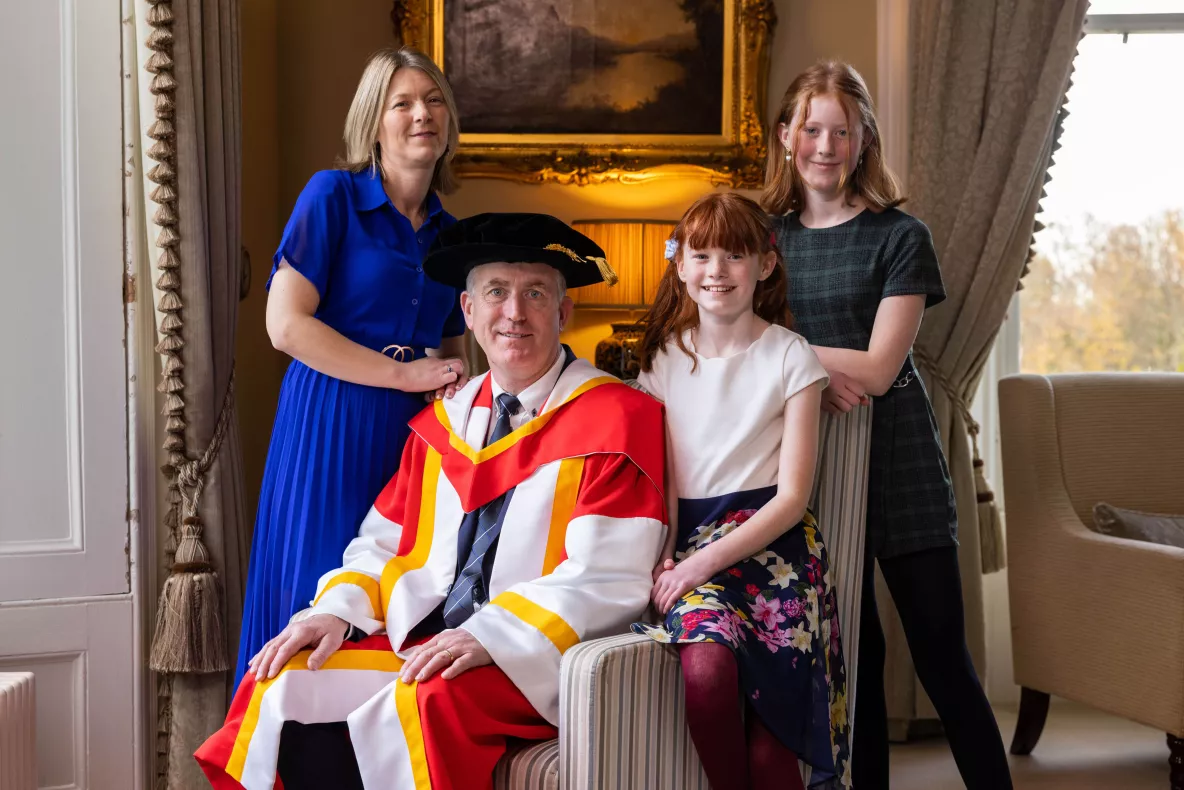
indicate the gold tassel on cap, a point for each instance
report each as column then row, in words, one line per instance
column 606, row 271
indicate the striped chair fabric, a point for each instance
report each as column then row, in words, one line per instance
column 840, row 503
column 529, row 765
column 621, row 701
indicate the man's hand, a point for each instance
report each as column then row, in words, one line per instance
column 843, row 394
column 325, row 631
column 453, row 651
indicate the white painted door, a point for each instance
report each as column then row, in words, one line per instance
column 66, row 609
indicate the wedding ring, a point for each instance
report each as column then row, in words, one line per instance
column 451, row 658
column 450, row 368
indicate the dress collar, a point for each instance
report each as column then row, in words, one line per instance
column 369, row 194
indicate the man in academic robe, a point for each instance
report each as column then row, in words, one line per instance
column 526, row 516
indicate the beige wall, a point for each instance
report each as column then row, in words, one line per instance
column 300, row 69
column 322, row 49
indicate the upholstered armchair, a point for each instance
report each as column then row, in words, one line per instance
column 1094, row 618
column 621, row 703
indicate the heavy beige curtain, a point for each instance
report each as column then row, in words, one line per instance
column 187, row 62
column 988, row 81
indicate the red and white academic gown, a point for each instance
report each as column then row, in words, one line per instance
column 579, row 540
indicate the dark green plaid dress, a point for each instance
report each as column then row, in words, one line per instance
column 837, row 277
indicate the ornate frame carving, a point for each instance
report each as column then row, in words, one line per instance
column 735, row 158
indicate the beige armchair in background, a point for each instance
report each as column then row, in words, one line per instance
column 1095, row 619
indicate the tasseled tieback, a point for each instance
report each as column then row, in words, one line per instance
column 994, row 552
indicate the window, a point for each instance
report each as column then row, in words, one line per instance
column 1106, row 287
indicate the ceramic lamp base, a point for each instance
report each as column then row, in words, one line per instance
column 617, row 353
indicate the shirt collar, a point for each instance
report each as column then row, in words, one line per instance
column 369, row 194
column 534, row 397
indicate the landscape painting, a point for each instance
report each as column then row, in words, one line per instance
column 588, row 91
column 586, row 66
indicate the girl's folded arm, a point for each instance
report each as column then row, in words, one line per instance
column 897, row 320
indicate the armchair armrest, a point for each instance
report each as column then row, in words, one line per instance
column 1099, row 619
column 622, row 718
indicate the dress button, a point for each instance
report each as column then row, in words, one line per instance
column 414, row 301
column 419, row 268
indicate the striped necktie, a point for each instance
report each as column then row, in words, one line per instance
column 478, row 532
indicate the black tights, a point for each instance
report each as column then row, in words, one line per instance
column 927, row 590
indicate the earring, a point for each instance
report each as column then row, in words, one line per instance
column 788, row 155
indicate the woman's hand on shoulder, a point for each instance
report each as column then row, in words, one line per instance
column 843, row 393
column 449, row 390
column 429, row 374
column 453, row 350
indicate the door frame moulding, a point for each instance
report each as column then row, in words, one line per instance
column 893, row 84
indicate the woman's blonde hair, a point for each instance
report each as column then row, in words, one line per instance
column 365, row 114
column 872, row 179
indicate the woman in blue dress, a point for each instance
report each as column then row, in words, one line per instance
column 368, row 332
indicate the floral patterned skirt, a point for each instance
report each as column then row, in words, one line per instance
column 778, row 613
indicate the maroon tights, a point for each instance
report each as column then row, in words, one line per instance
column 732, row 759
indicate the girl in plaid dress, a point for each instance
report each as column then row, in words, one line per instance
column 861, row 273
column 744, row 584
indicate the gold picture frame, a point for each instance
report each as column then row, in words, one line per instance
column 735, row 158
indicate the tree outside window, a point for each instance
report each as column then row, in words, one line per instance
column 1106, row 288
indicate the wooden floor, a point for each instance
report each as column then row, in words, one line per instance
column 1080, row 749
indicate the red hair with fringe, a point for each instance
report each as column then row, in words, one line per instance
column 726, row 221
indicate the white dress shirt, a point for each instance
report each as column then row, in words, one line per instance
column 533, row 398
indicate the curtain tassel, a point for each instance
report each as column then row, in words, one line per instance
column 990, row 525
column 189, row 635
column 994, row 552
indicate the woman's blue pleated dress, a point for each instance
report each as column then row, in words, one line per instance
column 335, row 444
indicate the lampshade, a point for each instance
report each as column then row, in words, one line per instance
column 635, row 248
